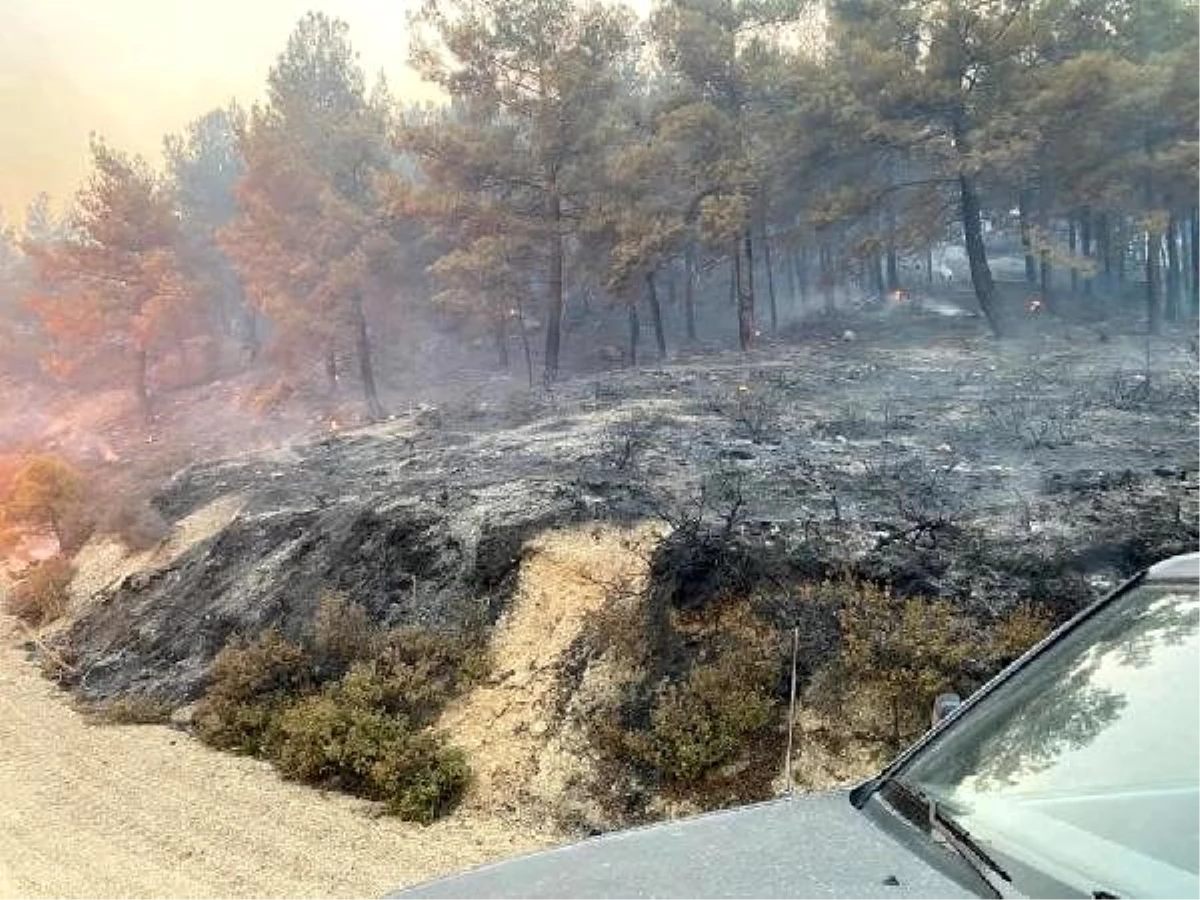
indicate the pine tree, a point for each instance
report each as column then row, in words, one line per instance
column 308, row 238
column 534, row 78
column 116, row 294
column 205, row 164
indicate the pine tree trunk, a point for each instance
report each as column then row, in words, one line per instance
column 981, row 273
column 141, row 392
column 746, row 333
column 500, row 336
column 1046, row 269
column 1031, row 268
column 251, row 343
column 929, row 267
column 1185, row 264
column 877, row 277
column 526, row 349
column 827, row 285
column 331, row 369
column 1046, row 279
column 1195, row 250
column 1104, row 248
column 1071, row 246
column 789, row 271
column 1153, row 277
column 656, row 318
column 1153, row 245
column 365, row 366
column 893, row 269
column 802, row 275
column 689, row 292
column 554, row 284
column 635, row 332
column 1121, row 241
column 766, row 243
column 1174, row 299
column 1085, row 239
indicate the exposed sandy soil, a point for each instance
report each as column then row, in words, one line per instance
column 519, row 749
column 144, row 811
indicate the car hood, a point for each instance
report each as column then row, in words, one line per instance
column 815, row 845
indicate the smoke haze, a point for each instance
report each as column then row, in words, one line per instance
column 134, row 70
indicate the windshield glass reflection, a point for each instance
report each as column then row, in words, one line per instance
column 1083, row 767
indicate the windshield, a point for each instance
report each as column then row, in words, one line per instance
column 1081, row 769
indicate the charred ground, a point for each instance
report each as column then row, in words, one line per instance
column 931, row 459
column 885, row 453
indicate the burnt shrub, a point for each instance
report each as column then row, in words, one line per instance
column 625, row 441
column 755, row 412
column 41, row 596
column 130, row 518
column 1034, row 421
column 343, row 633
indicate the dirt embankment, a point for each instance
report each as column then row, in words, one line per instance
column 526, row 757
column 144, row 811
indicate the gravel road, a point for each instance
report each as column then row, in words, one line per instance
column 145, row 811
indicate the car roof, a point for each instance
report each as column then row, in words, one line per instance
column 1185, row 567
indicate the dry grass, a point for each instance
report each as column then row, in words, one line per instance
column 41, row 597
column 131, row 710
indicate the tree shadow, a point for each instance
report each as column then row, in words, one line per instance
column 1069, row 699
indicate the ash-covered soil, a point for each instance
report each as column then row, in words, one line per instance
column 910, row 449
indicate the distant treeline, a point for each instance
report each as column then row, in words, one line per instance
column 583, row 153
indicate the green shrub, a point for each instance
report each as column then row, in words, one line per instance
column 426, row 668
column 346, row 738
column 250, row 684
column 330, row 740
column 425, row 782
column 712, row 718
column 347, row 712
column 42, row 596
column 896, row 654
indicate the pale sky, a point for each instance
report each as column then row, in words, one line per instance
column 134, row 70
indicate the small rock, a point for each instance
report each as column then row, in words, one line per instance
column 944, row 448
column 848, row 335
